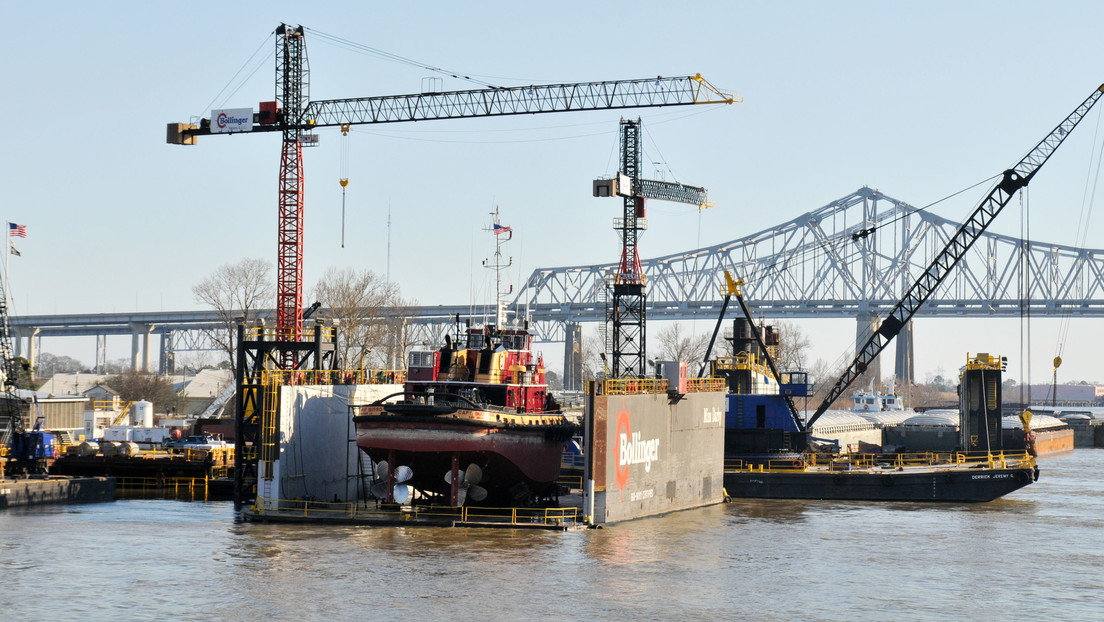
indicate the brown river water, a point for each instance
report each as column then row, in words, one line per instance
column 1038, row 553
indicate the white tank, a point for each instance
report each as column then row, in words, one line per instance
column 141, row 414
column 127, row 448
column 88, row 448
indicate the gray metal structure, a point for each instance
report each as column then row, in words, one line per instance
column 804, row 268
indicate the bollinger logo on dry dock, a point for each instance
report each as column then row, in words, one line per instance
column 632, row 448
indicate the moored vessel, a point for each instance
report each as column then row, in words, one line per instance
column 474, row 421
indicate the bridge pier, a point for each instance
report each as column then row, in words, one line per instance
column 142, row 331
column 904, row 368
column 866, row 324
column 573, row 357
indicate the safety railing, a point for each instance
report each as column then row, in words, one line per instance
column 284, row 333
column 311, row 509
column 703, row 385
column 1007, row 459
column 333, row 376
column 631, row 386
column 194, row 488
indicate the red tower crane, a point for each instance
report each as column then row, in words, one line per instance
column 294, row 116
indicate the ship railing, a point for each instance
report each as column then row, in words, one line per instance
column 631, row 386
column 761, row 466
column 286, row 333
column 705, row 385
column 194, row 488
column 333, row 376
column 1005, row 459
column 218, row 455
column 330, row 510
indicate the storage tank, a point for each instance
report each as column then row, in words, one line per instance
column 108, row 448
column 127, row 448
column 88, row 448
column 141, row 414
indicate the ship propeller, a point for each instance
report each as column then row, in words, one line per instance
column 403, row 474
column 468, row 487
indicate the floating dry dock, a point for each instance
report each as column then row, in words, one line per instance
column 47, row 490
column 375, row 514
column 653, row 448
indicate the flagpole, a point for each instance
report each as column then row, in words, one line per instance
column 7, row 266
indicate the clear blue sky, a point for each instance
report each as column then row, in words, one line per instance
column 918, row 100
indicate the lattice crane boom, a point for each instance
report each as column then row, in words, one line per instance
column 1013, row 180
column 295, row 116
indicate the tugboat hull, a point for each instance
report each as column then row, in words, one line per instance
column 517, row 462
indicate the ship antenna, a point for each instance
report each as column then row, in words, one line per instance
column 498, row 230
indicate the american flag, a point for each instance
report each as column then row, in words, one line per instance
column 17, row 231
column 501, row 229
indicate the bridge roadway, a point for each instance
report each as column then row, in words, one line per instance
column 825, row 263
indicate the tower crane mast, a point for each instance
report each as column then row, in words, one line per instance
column 627, row 312
column 293, row 114
column 1012, row 180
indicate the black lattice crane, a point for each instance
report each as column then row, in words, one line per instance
column 1011, row 181
column 626, row 313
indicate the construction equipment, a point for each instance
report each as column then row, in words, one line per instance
column 11, row 415
column 296, row 117
column 1013, row 180
column 728, row 290
column 288, row 346
column 626, row 313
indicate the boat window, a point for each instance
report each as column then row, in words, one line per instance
column 421, row 358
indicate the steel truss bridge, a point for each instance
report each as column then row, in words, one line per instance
column 852, row 258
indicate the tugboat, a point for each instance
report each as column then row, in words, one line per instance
column 474, row 422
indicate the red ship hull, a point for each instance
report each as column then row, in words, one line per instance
column 518, row 462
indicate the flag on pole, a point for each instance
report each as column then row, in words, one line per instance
column 14, row 250
column 17, row 231
column 501, row 229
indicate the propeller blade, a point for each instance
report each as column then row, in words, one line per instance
column 473, row 474
column 477, row 493
column 448, row 477
column 403, row 473
column 379, row 490
column 461, row 496
column 402, row 493
column 381, row 469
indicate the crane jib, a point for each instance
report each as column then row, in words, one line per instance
column 1011, row 181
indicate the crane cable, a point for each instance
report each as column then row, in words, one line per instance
column 1087, row 202
column 344, row 179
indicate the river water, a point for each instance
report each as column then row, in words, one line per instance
column 1038, row 553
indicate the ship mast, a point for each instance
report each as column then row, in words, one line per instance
column 499, row 230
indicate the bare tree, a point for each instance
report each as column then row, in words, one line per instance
column 593, row 351
column 675, row 346
column 235, row 291
column 369, row 314
column 793, row 346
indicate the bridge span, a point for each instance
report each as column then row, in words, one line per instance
column 818, row 265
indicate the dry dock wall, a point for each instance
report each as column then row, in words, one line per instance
column 652, row 454
column 318, row 453
column 27, row 492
